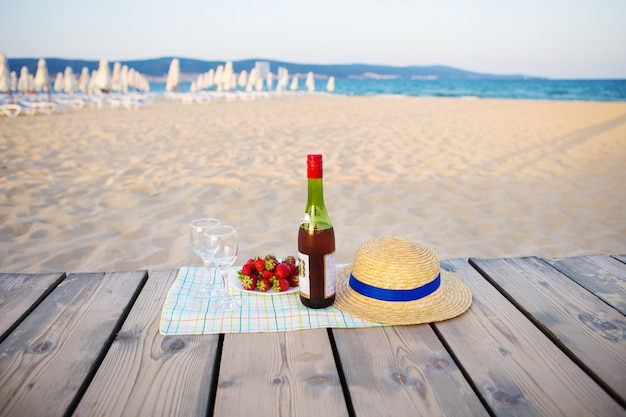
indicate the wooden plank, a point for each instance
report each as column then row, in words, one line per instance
column 515, row 367
column 20, row 294
column 403, row 371
column 580, row 322
column 147, row 374
column 279, row 374
column 46, row 361
column 601, row 274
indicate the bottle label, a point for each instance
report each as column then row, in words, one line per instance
column 330, row 280
column 330, row 275
column 303, row 271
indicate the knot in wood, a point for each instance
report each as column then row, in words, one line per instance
column 505, row 398
column 440, row 363
column 399, row 378
column 173, row 345
column 41, row 347
column 124, row 335
column 226, row 384
column 320, row 379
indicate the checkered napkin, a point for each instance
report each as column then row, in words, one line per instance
column 186, row 313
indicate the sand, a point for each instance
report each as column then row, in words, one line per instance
column 113, row 190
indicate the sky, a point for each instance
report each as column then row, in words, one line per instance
column 565, row 39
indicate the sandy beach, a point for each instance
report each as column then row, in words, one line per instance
column 113, row 190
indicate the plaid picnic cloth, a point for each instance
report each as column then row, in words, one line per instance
column 185, row 313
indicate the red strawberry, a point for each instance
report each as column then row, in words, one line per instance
column 291, row 261
column 280, row 285
column 249, row 283
column 270, row 262
column 259, row 265
column 294, row 280
column 263, row 284
column 268, row 274
column 283, row 271
column 246, row 269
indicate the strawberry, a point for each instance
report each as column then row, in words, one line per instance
column 280, row 285
column 249, row 283
column 283, row 271
column 246, row 269
column 263, row 284
column 291, row 261
column 294, row 280
column 270, row 262
column 259, row 264
column 268, row 274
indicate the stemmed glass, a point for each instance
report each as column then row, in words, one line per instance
column 222, row 243
column 196, row 235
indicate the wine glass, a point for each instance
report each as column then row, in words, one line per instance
column 196, row 235
column 222, row 243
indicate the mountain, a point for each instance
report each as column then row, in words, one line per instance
column 157, row 68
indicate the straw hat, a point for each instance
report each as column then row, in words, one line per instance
column 396, row 281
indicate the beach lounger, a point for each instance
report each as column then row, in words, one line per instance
column 11, row 110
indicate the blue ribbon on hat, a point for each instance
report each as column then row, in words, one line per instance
column 385, row 294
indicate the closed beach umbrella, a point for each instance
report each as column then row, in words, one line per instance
column 252, row 78
column 294, row 83
column 5, row 83
column 23, row 83
column 13, row 81
column 102, row 78
column 116, row 77
column 217, row 77
column 330, row 87
column 173, row 76
column 70, row 83
column 42, row 78
column 283, row 79
column 124, row 80
column 83, row 81
column 243, row 79
column 209, row 79
column 310, row 82
column 59, row 82
column 227, row 75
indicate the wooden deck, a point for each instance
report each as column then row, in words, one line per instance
column 544, row 337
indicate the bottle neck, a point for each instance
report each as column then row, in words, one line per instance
column 316, row 217
column 315, row 196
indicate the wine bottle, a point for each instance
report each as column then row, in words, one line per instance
column 316, row 243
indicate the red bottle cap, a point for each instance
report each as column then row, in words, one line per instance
column 314, row 165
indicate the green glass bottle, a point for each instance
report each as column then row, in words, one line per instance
column 316, row 243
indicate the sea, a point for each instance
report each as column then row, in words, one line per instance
column 523, row 89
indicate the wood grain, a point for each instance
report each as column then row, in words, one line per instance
column 47, row 359
column 403, row 371
column 147, row 374
column 279, row 374
column 515, row 367
column 587, row 327
column 601, row 274
column 20, row 294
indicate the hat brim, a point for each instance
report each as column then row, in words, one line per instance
column 451, row 299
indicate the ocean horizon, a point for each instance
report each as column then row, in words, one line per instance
column 532, row 89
